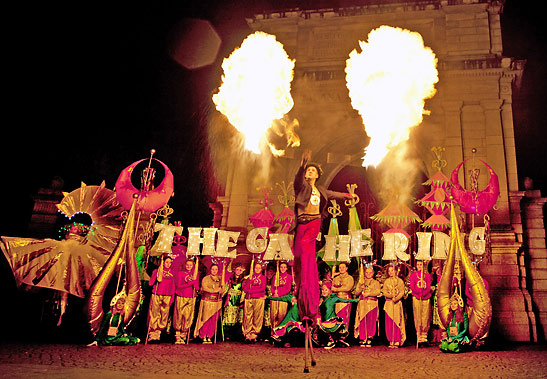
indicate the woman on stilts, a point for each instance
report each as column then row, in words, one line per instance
column 310, row 206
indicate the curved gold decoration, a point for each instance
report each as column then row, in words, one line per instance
column 480, row 318
column 439, row 163
column 354, row 198
column 124, row 251
column 335, row 210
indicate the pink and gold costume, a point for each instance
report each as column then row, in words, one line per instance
column 278, row 309
column 253, row 310
column 186, row 288
column 366, row 316
column 420, row 285
column 163, row 289
column 393, row 290
column 209, row 307
column 342, row 284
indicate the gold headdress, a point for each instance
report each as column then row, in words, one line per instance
column 118, row 296
column 458, row 298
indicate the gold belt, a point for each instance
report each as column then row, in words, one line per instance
column 211, row 296
column 343, row 295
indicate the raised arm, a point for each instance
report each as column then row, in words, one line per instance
column 299, row 177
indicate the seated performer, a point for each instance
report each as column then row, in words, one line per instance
column 233, row 310
column 331, row 326
column 291, row 322
column 420, row 285
column 253, row 310
column 342, row 284
column 456, row 340
column 281, row 287
column 209, row 306
column 367, row 308
column 394, row 290
column 112, row 331
column 163, row 289
column 186, row 287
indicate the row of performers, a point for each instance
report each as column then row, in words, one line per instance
column 245, row 303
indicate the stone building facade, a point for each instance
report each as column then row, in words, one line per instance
column 471, row 117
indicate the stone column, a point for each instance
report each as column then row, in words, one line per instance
column 495, row 153
column 512, row 318
column 536, row 256
column 508, row 133
column 237, row 193
column 453, row 129
column 494, row 10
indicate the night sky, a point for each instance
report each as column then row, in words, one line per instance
column 93, row 88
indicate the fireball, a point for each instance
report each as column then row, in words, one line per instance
column 256, row 89
column 388, row 83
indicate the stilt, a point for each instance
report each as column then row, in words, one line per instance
column 306, row 349
column 313, row 362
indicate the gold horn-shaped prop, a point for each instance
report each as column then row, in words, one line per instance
column 125, row 249
column 480, row 318
column 132, row 275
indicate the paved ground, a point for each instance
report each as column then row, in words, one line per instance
column 235, row 360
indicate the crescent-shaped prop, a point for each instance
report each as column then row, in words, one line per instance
column 480, row 202
column 149, row 201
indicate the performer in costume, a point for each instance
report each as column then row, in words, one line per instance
column 310, row 206
column 186, row 288
column 420, row 285
column 209, row 306
column 331, row 326
column 281, row 287
column 342, row 285
column 439, row 331
column 457, row 339
column 233, row 311
column 366, row 316
column 393, row 290
column 326, row 276
column 253, row 309
column 311, row 202
column 291, row 322
column 112, row 331
column 162, row 282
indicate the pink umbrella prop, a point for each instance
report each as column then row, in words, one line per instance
column 396, row 216
column 264, row 217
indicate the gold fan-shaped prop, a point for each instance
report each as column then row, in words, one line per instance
column 101, row 205
column 69, row 265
